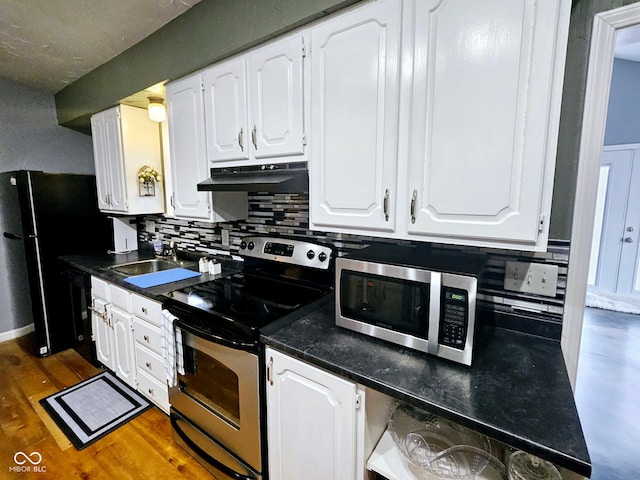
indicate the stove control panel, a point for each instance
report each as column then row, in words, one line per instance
column 285, row 250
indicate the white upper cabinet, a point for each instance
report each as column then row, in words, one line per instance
column 354, row 63
column 225, row 97
column 254, row 106
column 187, row 147
column 276, row 100
column 125, row 140
column 189, row 166
column 484, row 118
column 477, row 114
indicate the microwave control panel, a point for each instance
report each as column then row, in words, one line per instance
column 454, row 313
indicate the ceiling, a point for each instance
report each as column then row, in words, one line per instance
column 48, row 44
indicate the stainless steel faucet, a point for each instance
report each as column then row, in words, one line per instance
column 174, row 250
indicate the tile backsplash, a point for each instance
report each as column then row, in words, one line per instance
column 288, row 214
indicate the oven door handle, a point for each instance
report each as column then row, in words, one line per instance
column 213, row 461
column 215, row 338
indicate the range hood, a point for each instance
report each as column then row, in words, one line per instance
column 275, row 178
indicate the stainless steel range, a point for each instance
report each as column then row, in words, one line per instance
column 218, row 404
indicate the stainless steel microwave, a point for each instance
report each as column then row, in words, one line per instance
column 412, row 297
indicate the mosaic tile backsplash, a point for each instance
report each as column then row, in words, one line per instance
column 288, row 214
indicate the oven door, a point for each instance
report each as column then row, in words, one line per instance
column 219, row 391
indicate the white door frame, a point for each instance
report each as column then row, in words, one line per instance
column 594, row 119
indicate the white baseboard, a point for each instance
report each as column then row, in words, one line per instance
column 17, row 333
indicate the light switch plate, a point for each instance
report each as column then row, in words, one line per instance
column 225, row 237
column 538, row 278
column 150, row 226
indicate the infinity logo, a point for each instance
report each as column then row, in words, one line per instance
column 27, row 458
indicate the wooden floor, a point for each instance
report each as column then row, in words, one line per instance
column 140, row 449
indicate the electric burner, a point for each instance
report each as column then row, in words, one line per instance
column 279, row 276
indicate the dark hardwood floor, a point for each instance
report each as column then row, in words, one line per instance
column 607, row 389
column 140, row 449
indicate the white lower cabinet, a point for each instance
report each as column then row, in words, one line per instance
column 112, row 328
column 149, row 336
column 127, row 330
column 315, row 422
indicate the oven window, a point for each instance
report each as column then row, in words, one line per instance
column 212, row 384
column 392, row 303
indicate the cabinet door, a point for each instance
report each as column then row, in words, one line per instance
column 187, row 147
column 225, row 110
column 275, row 93
column 98, row 136
column 484, row 119
column 354, row 118
column 102, row 334
column 123, row 346
column 115, row 159
column 311, row 422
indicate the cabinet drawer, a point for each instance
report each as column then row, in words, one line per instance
column 148, row 335
column 150, row 362
column 154, row 390
column 120, row 298
column 147, row 309
column 99, row 288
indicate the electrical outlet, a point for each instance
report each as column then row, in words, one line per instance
column 538, row 278
column 225, row 238
column 150, row 226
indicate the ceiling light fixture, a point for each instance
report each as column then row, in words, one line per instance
column 156, row 110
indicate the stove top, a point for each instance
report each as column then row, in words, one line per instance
column 272, row 285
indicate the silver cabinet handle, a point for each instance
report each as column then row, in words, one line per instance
column 385, row 204
column 628, row 240
column 240, row 140
column 254, row 137
column 414, row 199
column 630, row 229
column 269, row 377
column 173, row 200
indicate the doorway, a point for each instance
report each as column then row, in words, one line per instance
column 605, row 27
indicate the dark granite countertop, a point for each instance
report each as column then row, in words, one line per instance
column 98, row 265
column 517, row 390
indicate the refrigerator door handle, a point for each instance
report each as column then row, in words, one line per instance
column 13, row 236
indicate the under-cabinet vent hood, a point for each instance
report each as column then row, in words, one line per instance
column 275, row 178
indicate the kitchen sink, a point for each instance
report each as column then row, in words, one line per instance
column 149, row 266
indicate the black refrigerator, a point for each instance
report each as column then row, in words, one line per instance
column 44, row 216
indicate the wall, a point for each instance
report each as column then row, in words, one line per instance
column 208, row 32
column 575, row 81
column 288, row 214
column 623, row 115
column 30, row 139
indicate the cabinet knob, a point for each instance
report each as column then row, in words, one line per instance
column 146, row 338
column 150, row 390
column 148, row 365
column 144, row 310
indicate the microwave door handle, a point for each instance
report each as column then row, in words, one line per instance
column 434, row 313
column 213, row 461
